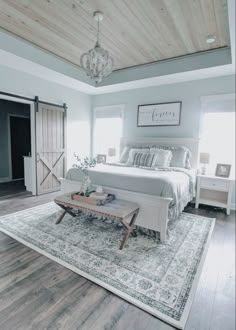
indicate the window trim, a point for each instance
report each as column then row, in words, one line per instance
column 120, row 107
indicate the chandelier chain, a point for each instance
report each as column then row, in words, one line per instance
column 98, row 31
column 97, row 62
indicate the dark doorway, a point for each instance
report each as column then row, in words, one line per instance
column 20, row 144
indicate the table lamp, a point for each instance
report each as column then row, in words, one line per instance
column 111, row 152
column 204, row 160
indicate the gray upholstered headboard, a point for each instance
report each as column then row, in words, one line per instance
column 190, row 143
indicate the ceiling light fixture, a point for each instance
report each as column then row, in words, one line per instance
column 97, row 62
column 210, row 39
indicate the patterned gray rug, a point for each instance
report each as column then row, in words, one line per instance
column 159, row 278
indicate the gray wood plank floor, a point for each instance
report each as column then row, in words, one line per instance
column 37, row 293
column 7, row 189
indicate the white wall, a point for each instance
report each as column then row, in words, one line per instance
column 79, row 106
column 189, row 93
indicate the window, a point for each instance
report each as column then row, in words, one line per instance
column 218, row 138
column 108, row 130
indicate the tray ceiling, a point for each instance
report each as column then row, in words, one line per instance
column 135, row 32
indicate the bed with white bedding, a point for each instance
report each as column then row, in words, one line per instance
column 161, row 192
column 175, row 183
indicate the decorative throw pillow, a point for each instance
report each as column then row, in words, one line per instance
column 132, row 152
column 180, row 156
column 125, row 154
column 163, row 157
column 144, row 159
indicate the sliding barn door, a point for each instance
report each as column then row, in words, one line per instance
column 50, row 147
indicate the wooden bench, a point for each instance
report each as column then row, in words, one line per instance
column 118, row 210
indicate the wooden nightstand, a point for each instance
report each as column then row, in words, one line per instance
column 215, row 191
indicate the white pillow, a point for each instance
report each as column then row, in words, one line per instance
column 132, row 153
column 163, row 157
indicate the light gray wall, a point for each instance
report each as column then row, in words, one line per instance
column 189, row 93
column 34, row 54
column 79, row 106
column 8, row 108
column 214, row 58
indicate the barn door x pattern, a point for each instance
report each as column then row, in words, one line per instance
column 50, row 136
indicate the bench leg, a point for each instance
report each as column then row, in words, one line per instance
column 66, row 210
column 60, row 218
column 129, row 229
column 125, row 239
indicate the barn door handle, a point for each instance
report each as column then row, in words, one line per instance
column 38, row 157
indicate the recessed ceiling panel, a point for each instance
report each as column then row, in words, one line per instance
column 135, row 32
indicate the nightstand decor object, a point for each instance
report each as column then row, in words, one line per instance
column 101, row 158
column 204, row 161
column 214, row 191
column 223, row 170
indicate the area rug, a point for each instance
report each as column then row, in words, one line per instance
column 160, row 278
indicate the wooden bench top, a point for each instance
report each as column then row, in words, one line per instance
column 117, row 209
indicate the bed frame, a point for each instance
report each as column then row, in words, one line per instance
column 153, row 212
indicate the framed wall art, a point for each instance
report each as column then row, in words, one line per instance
column 223, row 170
column 159, row 114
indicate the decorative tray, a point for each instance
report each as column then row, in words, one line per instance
column 92, row 199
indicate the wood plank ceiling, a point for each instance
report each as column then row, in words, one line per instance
column 134, row 31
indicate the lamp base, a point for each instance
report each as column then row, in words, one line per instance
column 204, row 170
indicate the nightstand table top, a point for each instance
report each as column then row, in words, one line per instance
column 212, row 176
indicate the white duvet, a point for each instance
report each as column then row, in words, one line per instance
column 176, row 183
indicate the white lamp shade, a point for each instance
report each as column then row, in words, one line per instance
column 111, row 152
column 204, row 158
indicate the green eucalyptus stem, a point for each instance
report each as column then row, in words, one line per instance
column 84, row 163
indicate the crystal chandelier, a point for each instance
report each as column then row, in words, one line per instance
column 97, row 62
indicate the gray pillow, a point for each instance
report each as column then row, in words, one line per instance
column 180, row 156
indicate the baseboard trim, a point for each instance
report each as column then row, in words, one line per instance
column 7, row 179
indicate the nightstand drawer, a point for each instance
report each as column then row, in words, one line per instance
column 214, row 184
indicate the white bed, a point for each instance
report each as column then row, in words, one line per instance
column 154, row 209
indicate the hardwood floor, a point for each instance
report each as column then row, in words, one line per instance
column 7, row 189
column 37, row 293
